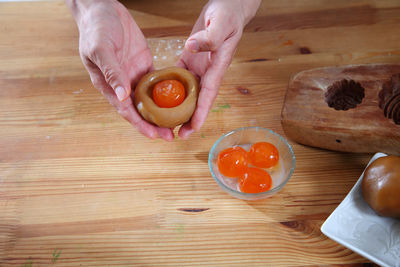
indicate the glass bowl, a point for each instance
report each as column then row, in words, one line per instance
column 245, row 137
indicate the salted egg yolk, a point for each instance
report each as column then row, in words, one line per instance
column 232, row 162
column 263, row 155
column 255, row 180
column 168, row 93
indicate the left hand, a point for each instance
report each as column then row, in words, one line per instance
column 210, row 48
column 116, row 55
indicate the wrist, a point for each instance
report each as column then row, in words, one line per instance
column 80, row 7
column 249, row 8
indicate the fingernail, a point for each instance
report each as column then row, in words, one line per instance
column 196, row 127
column 121, row 93
column 193, row 46
column 186, row 135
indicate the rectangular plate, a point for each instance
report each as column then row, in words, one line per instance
column 356, row 226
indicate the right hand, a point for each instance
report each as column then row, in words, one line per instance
column 116, row 55
column 210, row 48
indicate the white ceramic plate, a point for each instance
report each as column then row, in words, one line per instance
column 356, row 226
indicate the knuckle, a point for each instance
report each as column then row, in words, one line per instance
column 141, row 127
column 94, row 48
column 211, row 44
column 123, row 111
column 203, row 105
column 94, row 51
column 225, row 62
column 96, row 83
column 109, row 74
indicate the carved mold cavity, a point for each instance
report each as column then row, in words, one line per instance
column 389, row 98
column 344, row 94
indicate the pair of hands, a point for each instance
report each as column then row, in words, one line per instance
column 116, row 55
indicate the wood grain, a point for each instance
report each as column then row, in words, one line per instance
column 307, row 118
column 78, row 180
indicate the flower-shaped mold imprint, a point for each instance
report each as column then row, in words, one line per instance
column 344, row 94
column 389, row 98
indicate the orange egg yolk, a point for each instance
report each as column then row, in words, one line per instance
column 263, row 155
column 255, row 180
column 232, row 162
column 169, row 93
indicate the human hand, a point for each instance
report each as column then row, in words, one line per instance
column 210, row 48
column 116, row 55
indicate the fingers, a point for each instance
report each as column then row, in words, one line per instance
column 219, row 35
column 206, row 98
column 216, row 31
column 204, row 103
column 107, row 62
column 125, row 108
column 212, row 80
column 186, row 130
column 181, row 64
column 165, row 133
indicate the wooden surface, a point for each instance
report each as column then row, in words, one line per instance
column 307, row 118
column 80, row 187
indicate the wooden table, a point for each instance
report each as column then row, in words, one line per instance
column 80, row 187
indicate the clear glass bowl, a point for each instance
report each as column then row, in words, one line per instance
column 245, row 137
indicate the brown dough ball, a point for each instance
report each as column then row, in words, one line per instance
column 381, row 186
column 166, row 117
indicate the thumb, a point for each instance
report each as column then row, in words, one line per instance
column 113, row 74
column 209, row 39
